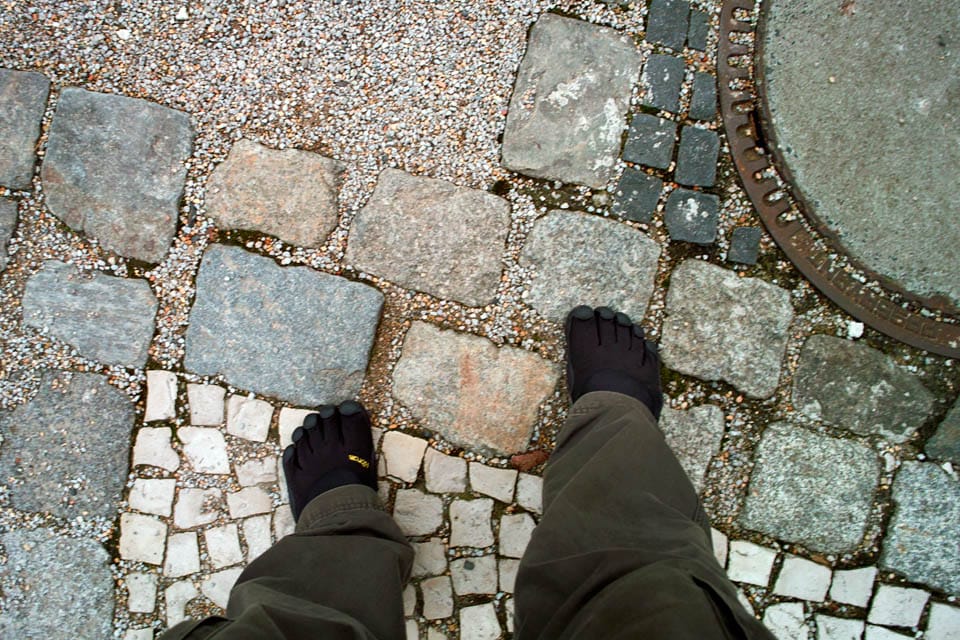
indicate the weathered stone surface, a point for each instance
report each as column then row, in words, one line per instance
column 183, row 555
column 23, row 99
column 794, row 464
column 692, row 216
column 176, row 597
column 668, row 23
column 474, row 575
column 432, row 236
column 206, row 404
column 142, row 538
column 897, row 606
column 723, row 327
column 196, row 507
column 205, row 449
column 921, row 540
column 859, row 388
column 650, row 141
column 153, row 496
column 699, row 30
column 802, row 579
column 697, row 157
column 661, row 80
column 429, row 558
column 55, row 587
column 570, row 255
column 443, row 473
column 786, row 620
column 92, row 182
column 402, row 455
column 217, row 586
column 105, row 318
column 141, row 592
column 475, row 394
column 721, row 546
column 248, row 418
column 65, row 451
column 8, row 221
column 637, row 195
column 853, row 586
column 470, row 523
column 530, row 492
column 830, row 628
column 257, row 471
column 437, row 598
column 943, row 623
column 161, row 395
column 153, row 448
column 417, row 513
column 223, row 545
column 945, row 443
column 744, row 245
column 479, row 622
column 256, row 533
column 515, row 532
column 292, row 332
column 507, row 570
column 703, row 104
column 694, row 436
column 249, row 501
column 750, row 563
column 493, row 481
column 567, row 110
column 291, row 194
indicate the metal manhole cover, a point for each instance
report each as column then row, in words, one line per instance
column 864, row 206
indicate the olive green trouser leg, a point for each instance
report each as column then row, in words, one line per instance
column 623, row 549
column 340, row 576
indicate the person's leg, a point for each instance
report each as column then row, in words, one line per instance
column 342, row 573
column 623, row 548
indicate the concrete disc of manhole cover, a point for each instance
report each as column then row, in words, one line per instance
column 862, row 101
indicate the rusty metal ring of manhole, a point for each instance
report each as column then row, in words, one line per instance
column 927, row 323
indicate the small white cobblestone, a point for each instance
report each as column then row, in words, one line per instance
column 206, row 404
column 248, row 418
column 429, row 558
column 474, row 575
column 479, row 622
column 493, row 482
column 403, row 454
column 853, row 586
column 223, row 545
column 255, row 471
column 141, row 592
column 142, row 538
column 437, row 598
column 282, row 481
column 470, row 523
column 786, row 621
column 443, row 473
column 435, row 634
column 417, row 513
column 803, row 579
column 409, row 600
column 176, row 597
column 152, row 496
column 507, row 568
column 750, row 563
column 411, row 630
column 196, row 507
column 897, row 606
column 205, row 449
column 943, row 623
column 256, row 533
column 138, row 634
column 511, row 613
column 283, row 522
column 882, row 633
column 530, row 492
column 830, row 628
column 183, row 555
column 515, row 532
column 161, row 396
column 720, row 546
column 216, row 587
column 288, row 422
column 249, row 501
column 153, row 448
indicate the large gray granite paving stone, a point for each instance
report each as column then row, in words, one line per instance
column 8, row 221
column 56, row 588
column 578, row 258
column 567, row 110
column 637, row 195
column 694, row 437
column 650, row 141
column 945, row 442
column 289, row 332
column 859, row 388
column 720, row 326
column 23, row 99
column 432, row 236
column 697, row 157
column 692, row 216
column 115, row 169
column 473, row 393
column 921, row 540
column 810, row 488
column 291, row 194
column 668, row 23
column 66, row 450
column 661, row 80
column 107, row 319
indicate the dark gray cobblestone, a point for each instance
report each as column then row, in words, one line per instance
column 692, row 216
column 661, row 80
column 637, row 195
column 23, row 99
column 650, row 141
column 697, row 157
column 703, row 104
column 667, row 24
column 744, row 245
column 699, row 30
column 8, row 221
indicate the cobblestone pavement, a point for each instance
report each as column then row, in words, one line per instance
column 216, row 218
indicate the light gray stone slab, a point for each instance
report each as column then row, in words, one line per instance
column 786, row 621
column 694, row 437
column 161, row 395
column 403, row 454
column 493, row 481
column 515, row 532
column 874, row 632
column 197, row 507
column 289, row 332
column 530, row 492
column 153, row 448
column 152, row 495
column 474, row 394
column 470, row 523
column 115, row 170
column 479, row 622
column 66, row 450
column 750, row 563
column 55, row 587
column 569, row 101
column 142, row 538
column 432, row 236
column 897, row 606
column 8, row 221
column 853, row 586
column 720, row 326
column 830, row 628
column 249, row 501
column 443, row 473
column 23, row 99
column 206, row 404
column 943, row 623
column 429, row 558
column 474, row 575
column 721, row 546
column 921, row 540
column 183, row 555
column 291, row 194
column 859, row 388
column 141, row 592
column 437, row 598
column 107, row 319
column 570, row 254
column 792, row 465
column 417, row 513
column 803, row 579
column 223, row 545
column 217, row 586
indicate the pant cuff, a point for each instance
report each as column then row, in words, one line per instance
column 346, row 498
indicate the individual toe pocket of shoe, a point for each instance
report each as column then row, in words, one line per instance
column 329, row 427
column 606, row 325
column 355, row 425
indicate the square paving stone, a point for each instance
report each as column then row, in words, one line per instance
column 66, row 451
column 91, row 183
column 811, row 489
column 720, row 326
column 291, row 194
column 744, row 245
column 661, row 80
column 853, row 386
column 637, row 195
column 288, row 332
column 432, row 236
column 570, row 255
column 106, row 318
column 697, row 157
column 668, row 22
column 699, row 30
column 650, row 141
column 692, row 216
column 471, row 392
column 921, row 540
column 8, row 221
column 567, row 110
column 703, row 104
column 23, row 99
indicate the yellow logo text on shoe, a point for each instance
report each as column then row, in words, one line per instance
column 360, row 461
